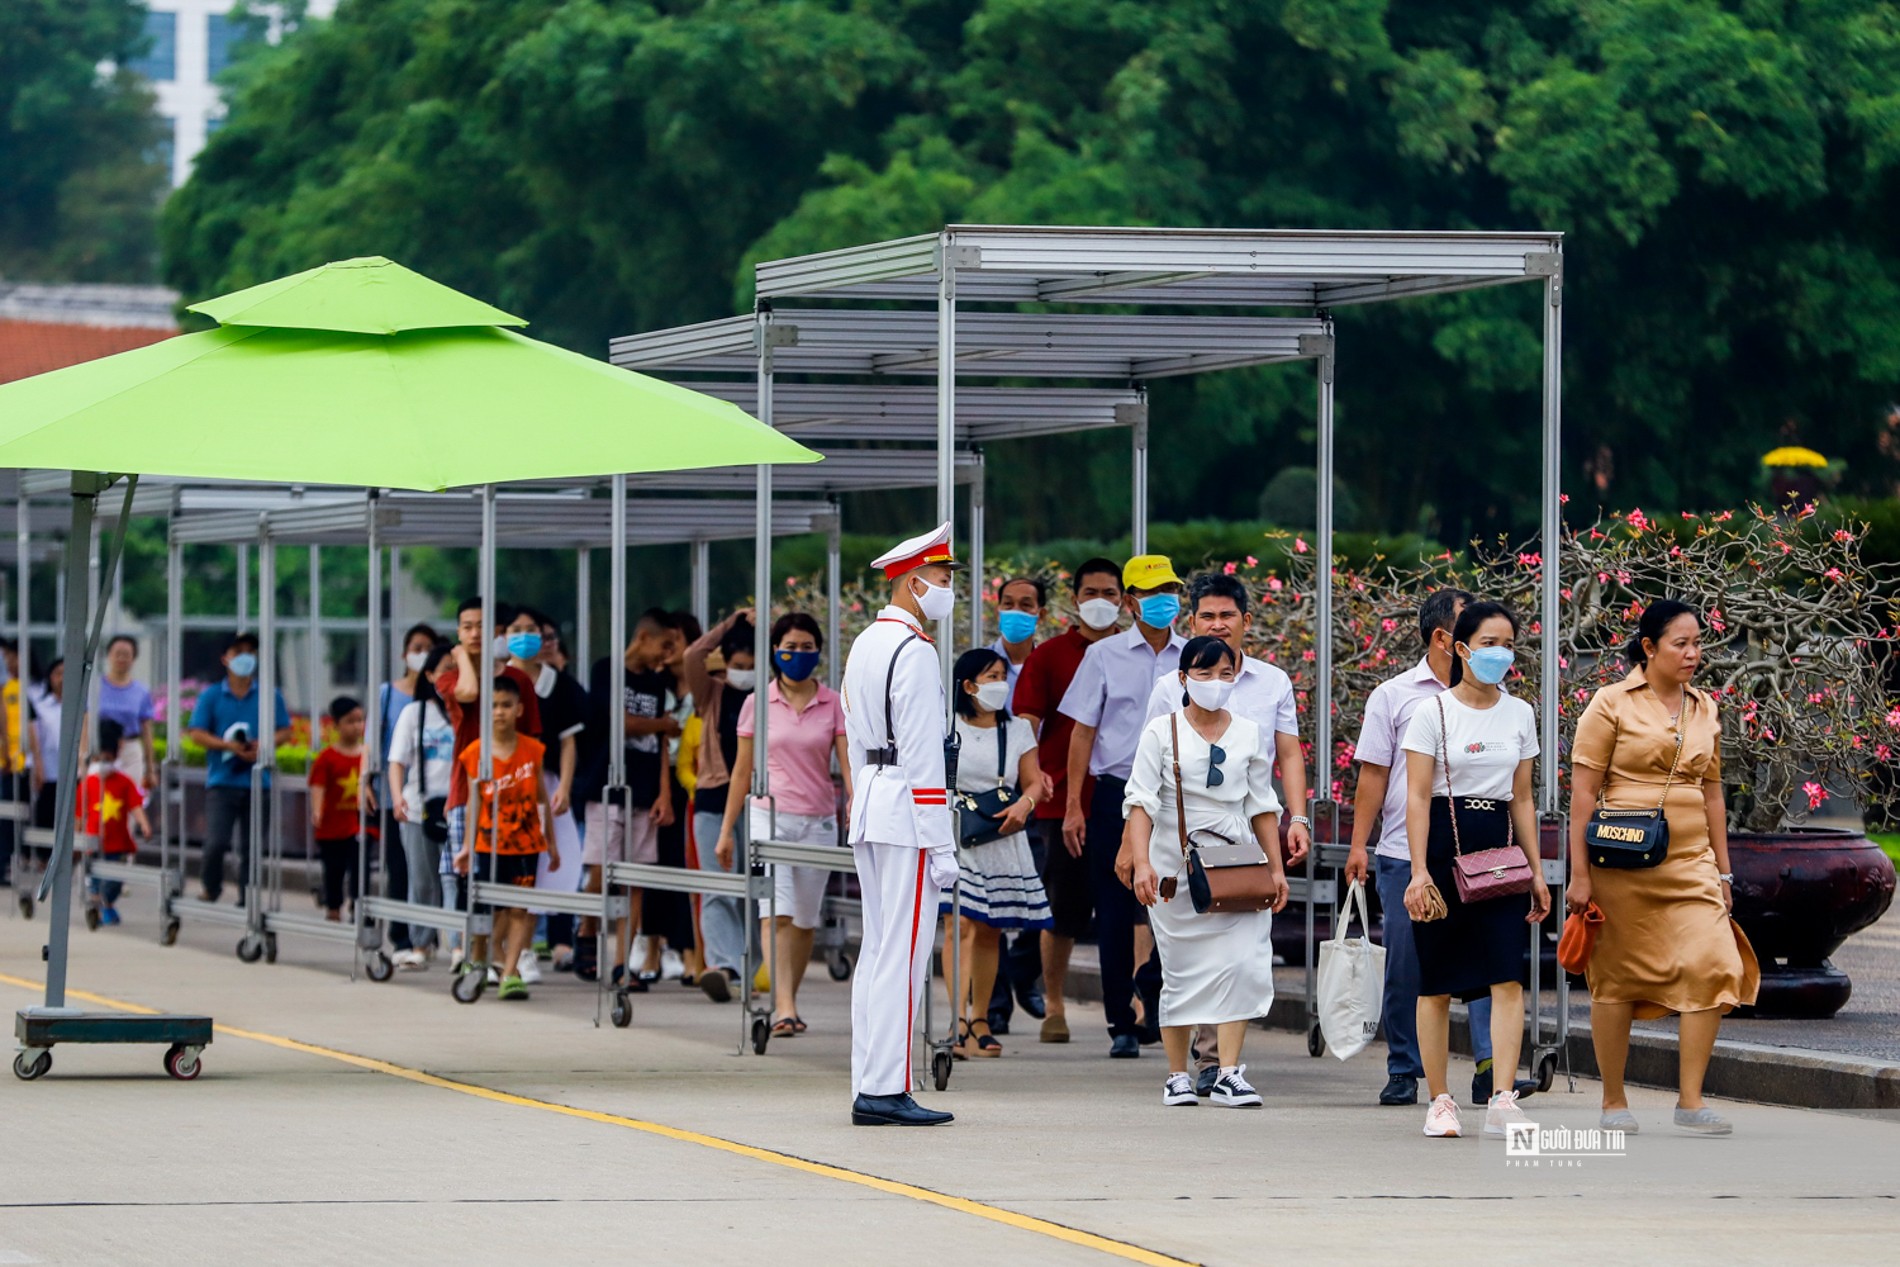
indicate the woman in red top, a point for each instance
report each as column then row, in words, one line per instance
column 338, row 801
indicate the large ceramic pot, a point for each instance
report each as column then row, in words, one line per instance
column 1798, row 896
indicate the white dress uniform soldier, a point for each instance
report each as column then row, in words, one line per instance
column 901, row 830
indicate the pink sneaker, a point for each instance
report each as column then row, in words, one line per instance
column 1441, row 1119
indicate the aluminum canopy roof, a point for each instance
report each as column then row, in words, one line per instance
column 816, row 412
column 859, row 470
column 522, row 521
column 989, row 344
column 1300, row 268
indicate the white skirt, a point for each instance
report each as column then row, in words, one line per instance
column 999, row 884
column 1214, row 968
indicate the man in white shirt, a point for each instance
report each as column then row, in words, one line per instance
column 1263, row 694
column 1108, row 701
column 1380, row 801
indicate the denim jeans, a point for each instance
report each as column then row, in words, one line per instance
column 424, row 856
column 228, row 815
column 722, row 927
column 1400, row 1012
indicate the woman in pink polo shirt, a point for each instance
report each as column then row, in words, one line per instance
column 805, row 730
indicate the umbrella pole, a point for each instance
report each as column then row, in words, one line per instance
column 78, row 650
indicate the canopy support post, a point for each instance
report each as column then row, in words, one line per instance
column 265, row 684
column 834, row 597
column 702, row 583
column 373, row 733
column 243, row 588
column 580, row 653
column 977, row 528
column 1138, row 521
column 174, row 723
column 1552, row 539
column 946, row 414
column 314, row 675
column 395, row 584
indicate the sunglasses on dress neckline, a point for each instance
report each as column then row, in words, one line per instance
column 1215, row 755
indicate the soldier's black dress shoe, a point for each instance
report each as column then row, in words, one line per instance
column 894, row 1110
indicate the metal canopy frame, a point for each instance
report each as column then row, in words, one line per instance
column 989, row 344
column 1314, row 271
column 819, row 412
column 522, row 521
column 1271, row 268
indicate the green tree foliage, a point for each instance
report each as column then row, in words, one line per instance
column 1725, row 173
column 81, row 187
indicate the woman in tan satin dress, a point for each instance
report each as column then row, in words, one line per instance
column 1666, row 944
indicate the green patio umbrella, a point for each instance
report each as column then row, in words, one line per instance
column 365, row 373
column 357, row 373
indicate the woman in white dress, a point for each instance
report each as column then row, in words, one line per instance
column 1216, row 969
column 1000, row 887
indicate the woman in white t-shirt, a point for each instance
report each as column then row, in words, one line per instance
column 421, row 760
column 1470, row 752
column 1000, row 887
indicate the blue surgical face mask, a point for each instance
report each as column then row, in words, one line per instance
column 1016, row 626
column 1160, row 611
column 1490, row 664
column 795, row 666
column 244, row 664
column 524, row 646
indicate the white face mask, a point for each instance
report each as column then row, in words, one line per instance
column 1209, row 693
column 992, row 696
column 415, row 660
column 1099, row 613
column 742, row 679
column 501, row 648
column 936, row 601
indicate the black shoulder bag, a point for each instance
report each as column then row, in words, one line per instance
column 980, row 814
column 1633, row 839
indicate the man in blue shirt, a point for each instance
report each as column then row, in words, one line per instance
column 225, row 725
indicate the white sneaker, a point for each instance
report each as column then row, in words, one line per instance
column 1233, row 1090
column 672, row 967
column 1178, row 1092
column 1441, row 1119
column 1502, row 1114
column 494, row 975
column 527, row 968
column 407, row 960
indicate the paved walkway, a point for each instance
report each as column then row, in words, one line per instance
column 352, row 1122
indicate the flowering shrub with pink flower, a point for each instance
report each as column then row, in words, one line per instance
column 1802, row 649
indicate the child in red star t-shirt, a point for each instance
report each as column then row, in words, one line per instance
column 339, row 802
column 110, row 804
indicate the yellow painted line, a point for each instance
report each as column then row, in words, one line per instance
column 962, row 1205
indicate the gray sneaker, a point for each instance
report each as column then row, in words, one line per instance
column 1702, row 1121
column 1619, row 1120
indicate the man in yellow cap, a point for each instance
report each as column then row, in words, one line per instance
column 901, row 830
column 1108, row 701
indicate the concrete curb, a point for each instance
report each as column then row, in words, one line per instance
column 1791, row 1076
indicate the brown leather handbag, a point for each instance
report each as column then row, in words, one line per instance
column 1222, row 878
column 1579, row 938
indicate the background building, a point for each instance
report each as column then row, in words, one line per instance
column 191, row 44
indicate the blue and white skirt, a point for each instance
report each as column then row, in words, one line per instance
column 1000, row 884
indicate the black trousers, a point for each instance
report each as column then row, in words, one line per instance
column 1117, row 914
column 1020, row 967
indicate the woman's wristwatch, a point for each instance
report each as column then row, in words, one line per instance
column 1726, row 877
column 1300, row 820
